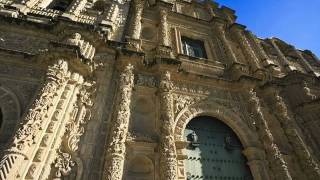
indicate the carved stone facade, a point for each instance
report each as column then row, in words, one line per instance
column 106, row 90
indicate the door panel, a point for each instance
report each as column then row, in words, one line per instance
column 214, row 151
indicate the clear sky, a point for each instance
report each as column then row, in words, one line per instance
column 295, row 21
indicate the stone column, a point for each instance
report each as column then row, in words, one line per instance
column 286, row 119
column 277, row 162
column 168, row 155
column 116, row 148
column 164, row 28
column 136, row 19
column 29, row 134
column 238, row 30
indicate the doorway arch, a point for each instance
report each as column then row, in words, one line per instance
column 252, row 148
column 214, row 151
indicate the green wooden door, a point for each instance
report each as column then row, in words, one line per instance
column 214, row 151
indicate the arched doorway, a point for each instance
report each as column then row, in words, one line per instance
column 214, row 151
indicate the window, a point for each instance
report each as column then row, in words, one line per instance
column 60, row 5
column 194, row 48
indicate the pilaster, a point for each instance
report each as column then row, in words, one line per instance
column 238, row 31
column 233, row 63
column 116, row 147
column 282, row 57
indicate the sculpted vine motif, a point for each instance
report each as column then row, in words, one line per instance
column 182, row 101
column 64, row 164
column 279, row 166
column 80, row 116
column 168, row 161
column 290, row 128
column 32, row 123
column 116, row 147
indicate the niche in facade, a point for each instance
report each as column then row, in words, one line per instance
column 141, row 168
column 60, row 5
column 148, row 33
column 143, row 121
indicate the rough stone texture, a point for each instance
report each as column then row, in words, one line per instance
column 91, row 94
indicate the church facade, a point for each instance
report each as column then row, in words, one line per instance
column 151, row 90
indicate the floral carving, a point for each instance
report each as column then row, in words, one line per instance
column 63, row 164
column 182, row 101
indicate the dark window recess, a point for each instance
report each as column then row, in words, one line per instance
column 194, row 48
column 60, row 5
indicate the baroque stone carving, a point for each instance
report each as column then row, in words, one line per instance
column 64, row 164
column 280, row 167
column 182, row 101
column 81, row 115
column 116, row 149
column 168, row 161
column 145, row 80
column 25, row 135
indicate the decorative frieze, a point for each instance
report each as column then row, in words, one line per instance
column 116, row 148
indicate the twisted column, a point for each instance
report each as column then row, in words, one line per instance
column 278, row 164
column 309, row 165
column 116, row 149
column 29, row 134
column 168, row 157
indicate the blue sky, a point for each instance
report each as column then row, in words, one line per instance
column 295, row 21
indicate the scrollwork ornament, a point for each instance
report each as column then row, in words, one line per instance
column 64, row 164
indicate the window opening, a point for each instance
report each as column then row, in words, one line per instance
column 194, row 48
column 60, row 5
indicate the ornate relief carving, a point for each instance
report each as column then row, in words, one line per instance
column 81, row 115
column 86, row 49
column 279, row 166
column 146, row 80
column 168, row 161
column 116, row 147
column 182, row 101
column 64, row 164
column 26, row 134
